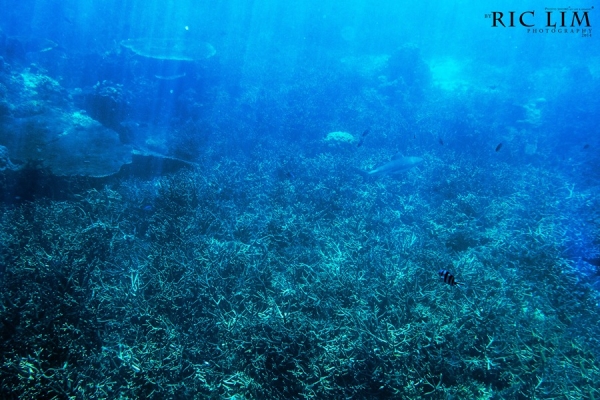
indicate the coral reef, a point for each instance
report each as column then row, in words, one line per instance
column 198, row 284
column 175, row 225
column 42, row 127
column 5, row 162
column 407, row 72
column 108, row 103
column 340, row 137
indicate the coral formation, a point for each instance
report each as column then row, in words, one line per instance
column 340, row 137
column 42, row 127
column 197, row 284
column 170, row 49
column 5, row 162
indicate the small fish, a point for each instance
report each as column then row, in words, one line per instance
column 499, row 147
column 362, row 137
column 447, row 277
column 441, row 141
column 147, row 208
column 587, row 146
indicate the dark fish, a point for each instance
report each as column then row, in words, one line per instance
column 441, row 141
column 499, row 147
column 362, row 137
column 587, row 146
column 447, row 277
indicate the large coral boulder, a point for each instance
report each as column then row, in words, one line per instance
column 41, row 127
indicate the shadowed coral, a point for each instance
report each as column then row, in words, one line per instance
column 43, row 128
column 67, row 144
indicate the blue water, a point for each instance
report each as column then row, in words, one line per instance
column 242, row 199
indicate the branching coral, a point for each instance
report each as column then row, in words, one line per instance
column 226, row 282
